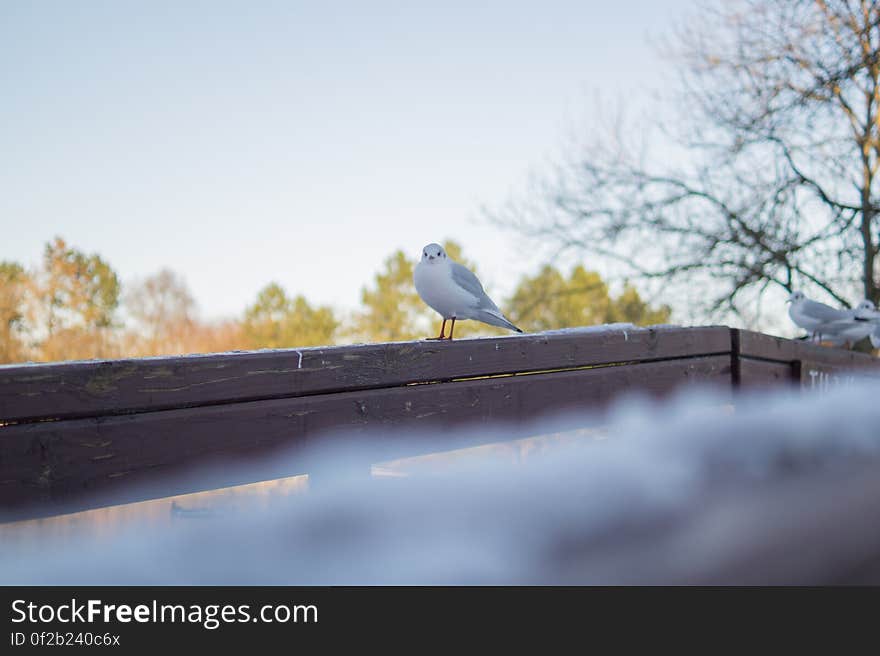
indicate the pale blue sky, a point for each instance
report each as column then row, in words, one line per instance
column 302, row 142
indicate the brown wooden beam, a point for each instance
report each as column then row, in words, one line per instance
column 100, row 388
column 50, row 467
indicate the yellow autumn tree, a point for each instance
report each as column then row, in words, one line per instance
column 550, row 300
column 13, row 286
column 74, row 299
column 275, row 320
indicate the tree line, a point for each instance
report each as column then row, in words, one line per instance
column 73, row 306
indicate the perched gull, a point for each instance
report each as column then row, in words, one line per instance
column 811, row 315
column 858, row 324
column 454, row 291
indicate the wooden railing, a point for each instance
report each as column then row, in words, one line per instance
column 72, row 433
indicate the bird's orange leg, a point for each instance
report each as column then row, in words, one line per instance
column 442, row 331
column 452, row 329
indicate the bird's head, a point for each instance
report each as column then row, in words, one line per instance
column 433, row 252
column 796, row 297
column 866, row 310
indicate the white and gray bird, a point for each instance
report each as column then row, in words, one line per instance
column 859, row 323
column 454, row 291
column 811, row 315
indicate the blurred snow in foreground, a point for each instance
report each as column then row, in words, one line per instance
column 785, row 488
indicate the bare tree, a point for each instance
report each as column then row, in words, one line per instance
column 770, row 178
column 13, row 285
column 164, row 311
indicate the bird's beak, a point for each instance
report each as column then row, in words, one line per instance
column 788, row 300
column 430, row 257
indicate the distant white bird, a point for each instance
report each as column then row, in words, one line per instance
column 454, row 291
column 811, row 315
column 859, row 323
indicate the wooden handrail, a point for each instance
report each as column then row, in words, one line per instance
column 74, row 432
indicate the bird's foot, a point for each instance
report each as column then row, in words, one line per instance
column 442, row 332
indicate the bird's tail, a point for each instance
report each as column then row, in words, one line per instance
column 495, row 319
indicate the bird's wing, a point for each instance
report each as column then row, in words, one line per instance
column 823, row 312
column 835, row 327
column 465, row 278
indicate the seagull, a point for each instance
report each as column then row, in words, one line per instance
column 811, row 315
column 860, row 322
column 454, row 291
